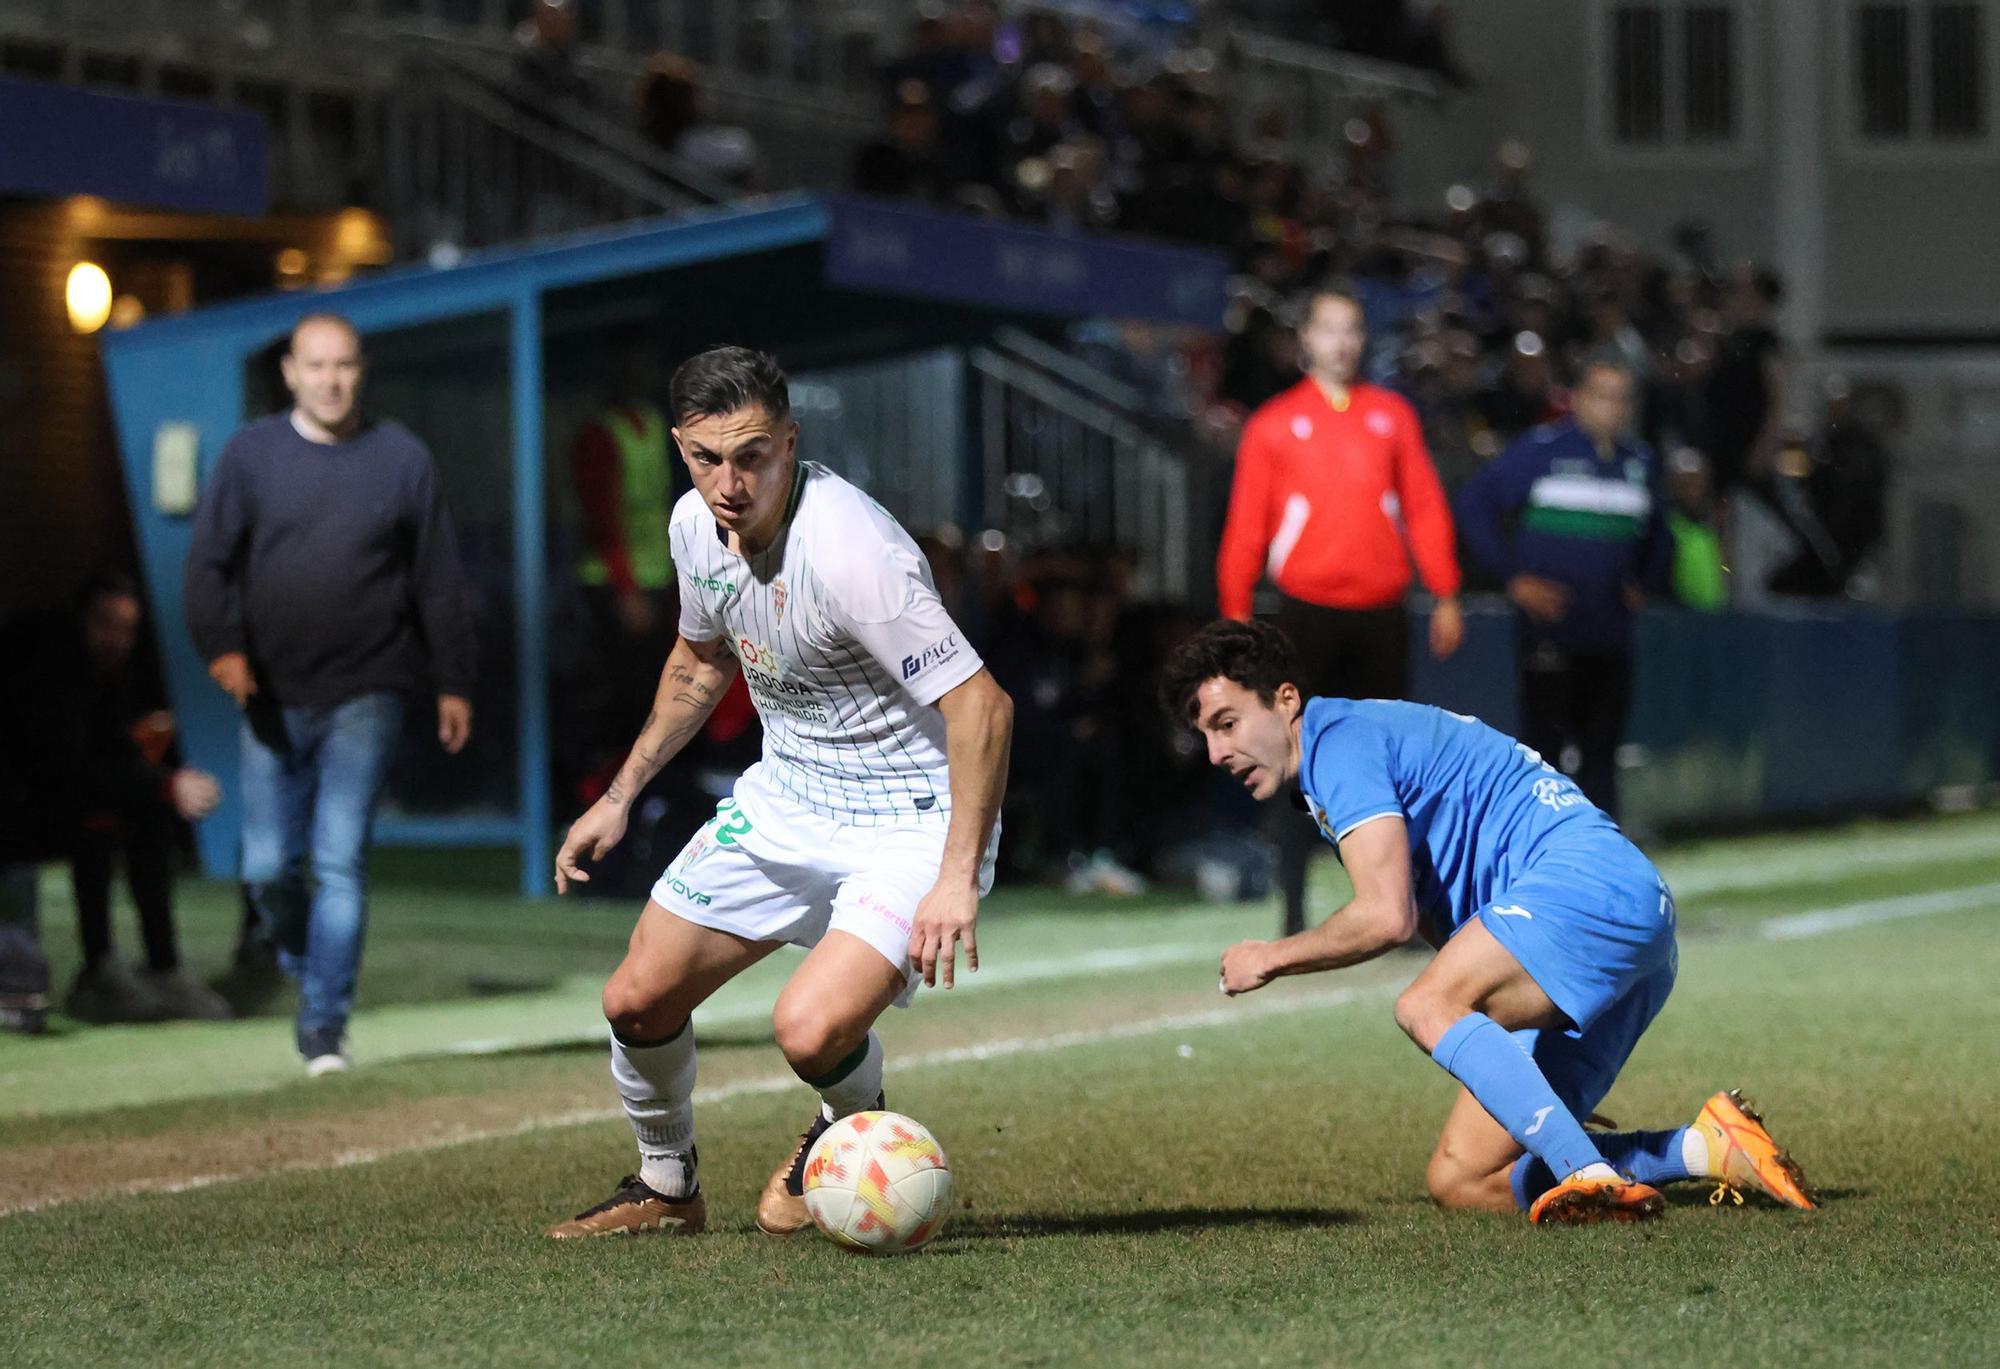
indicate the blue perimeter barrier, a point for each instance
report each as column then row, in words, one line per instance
column 1803, row 713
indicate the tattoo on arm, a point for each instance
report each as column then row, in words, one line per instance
column 696, row 695
column 692, row 692
column 652, row 752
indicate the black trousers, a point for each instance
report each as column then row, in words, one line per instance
column 1351, row 654
column 1579, row 699
column 145, row 835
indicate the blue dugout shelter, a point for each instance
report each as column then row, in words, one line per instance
column 475, row 357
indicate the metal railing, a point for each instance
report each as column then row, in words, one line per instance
column 800, row 73
column 806, row 132
column 1060, row 467
column 471, row 162
column 1316, row 90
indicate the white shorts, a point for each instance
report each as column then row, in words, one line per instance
column 766, row 868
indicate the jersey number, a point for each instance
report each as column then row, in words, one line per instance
column 729, row 822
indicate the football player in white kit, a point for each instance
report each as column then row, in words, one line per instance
column 866, row 831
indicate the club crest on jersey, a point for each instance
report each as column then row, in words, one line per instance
column 772, row 687
column 778, row 599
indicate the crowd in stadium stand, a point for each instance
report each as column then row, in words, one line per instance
column 1481, row 314
column 1478, row 313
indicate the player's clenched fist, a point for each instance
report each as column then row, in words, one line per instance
column 590, row 837
column 1246, row 966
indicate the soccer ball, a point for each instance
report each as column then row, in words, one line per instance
column 877, row 1183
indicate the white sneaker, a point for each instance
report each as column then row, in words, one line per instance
column 1102, row 874
column 1111, row 877
column 325, row 1064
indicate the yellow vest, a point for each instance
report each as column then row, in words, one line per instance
column 645, row 504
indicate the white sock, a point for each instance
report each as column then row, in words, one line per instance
column 1694, row 1152
column 656, row 1083
column 1597, row 1169
column 856, row 1084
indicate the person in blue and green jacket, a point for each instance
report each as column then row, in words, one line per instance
column 1571, row 518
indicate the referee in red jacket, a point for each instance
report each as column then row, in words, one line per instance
column 1333, row 496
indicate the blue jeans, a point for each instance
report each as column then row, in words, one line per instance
column 311, row 780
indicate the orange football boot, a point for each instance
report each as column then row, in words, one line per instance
column 1741, row 1153
column 1578, row 1201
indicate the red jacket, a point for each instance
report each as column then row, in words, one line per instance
column 1324, row 499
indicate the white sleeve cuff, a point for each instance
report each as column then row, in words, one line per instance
column 1341, row 835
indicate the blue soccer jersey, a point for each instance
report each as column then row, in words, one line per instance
column 1481, row 807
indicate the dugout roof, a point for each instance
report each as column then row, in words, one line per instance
column 817, row 280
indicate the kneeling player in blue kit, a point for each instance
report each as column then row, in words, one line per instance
column 1555, row 935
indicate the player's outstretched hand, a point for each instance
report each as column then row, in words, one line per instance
column 1246, row 966
column 590, row 837
column 945, row 918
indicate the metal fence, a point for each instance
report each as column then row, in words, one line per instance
column 1060, row 467
column 467, row 162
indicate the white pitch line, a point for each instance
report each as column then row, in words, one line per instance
column 723, row 1093
column 1814, row 922
column 1006, row 975
column 1828, row 859
column 1818, row 921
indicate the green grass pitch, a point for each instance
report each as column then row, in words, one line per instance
column 1147, row 1174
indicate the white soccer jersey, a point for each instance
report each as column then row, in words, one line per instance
column 844, row 644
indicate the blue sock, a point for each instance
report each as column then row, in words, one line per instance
column 1651, row 1157
column 1485, row 1057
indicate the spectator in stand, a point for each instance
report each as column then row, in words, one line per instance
column 1260, row 361
column 1700, row 575
column 1744, row 399
column 1833, row 490
column 1071, row 664
column 24, row 969
column 1588, row 544
column 1333, row 494
column 91, row 753
column 909, row 162
column 673, row 115
column 1524, row 394
column 323, row 587
column 624, row 482
column 546, row 60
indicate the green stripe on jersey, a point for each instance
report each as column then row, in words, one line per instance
column 1584, row 523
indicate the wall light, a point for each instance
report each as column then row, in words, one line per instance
column 88, row 295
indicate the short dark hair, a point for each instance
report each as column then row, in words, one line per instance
column 725, row 379
column 1604, row 359
column 108, row 582
column 1254, row 655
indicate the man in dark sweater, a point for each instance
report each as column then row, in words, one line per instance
column 1570, row 517
column 324, row 587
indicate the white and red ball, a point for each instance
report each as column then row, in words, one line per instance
column 878, row 1183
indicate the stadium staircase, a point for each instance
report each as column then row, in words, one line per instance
column 405, row 104
column 1072, row 456
column 413, row 107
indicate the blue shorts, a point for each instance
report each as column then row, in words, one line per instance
column 1592, row 922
